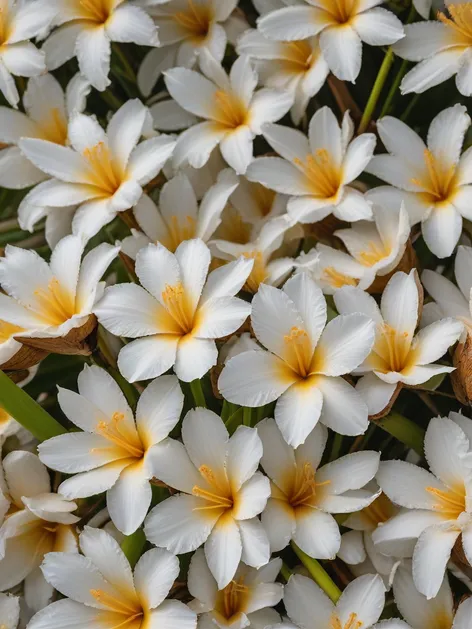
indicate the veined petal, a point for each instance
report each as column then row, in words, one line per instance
column 337, row 396
column 148, row 158
column 306, row 603
column 400, row 302
column 223, row 550
column 298, row 411
column 158, row 410
column 279, row 175
column 342, row 49
column 446, row 450
column 407, row 485
column 148, row 357
column 432, row 71
column 429, row 565
column 55, row 160
column 433, row 341
column 194, row 357
column 442, row 229
column 93, row 54
column 154, row 576
column 292, row 23
column 317, row 533
column 171, row 464
column 365, row 597
column 129, row 499
column 279, row 522
column 125, row 128
column 244, row 454
column 192, row 91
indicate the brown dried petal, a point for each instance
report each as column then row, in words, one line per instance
column 79, row 341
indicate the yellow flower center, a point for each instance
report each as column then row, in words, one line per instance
column 450, row 502
column 459, row 23
column 298, row 351
column 438, row 180
column 102, row 173
column 130, row 610
column 392, row 350
column 298, row 56
column 351, row 623
column 379, row 511
column 218, row 493
column 179, row 230
column 229, row 110
column 336, row 279
column 56, row 303
column 232, row 600
column 97, row 10
column 324, row 176
column 116, row 432
column 196, row 19
column 372, row 254
column 5, row 26
column 7, row 330
column 55, row 127
column 259, row 271
column 178, row 306
column 264, row 199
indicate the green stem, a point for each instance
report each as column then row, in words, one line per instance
column 133, row 545
column 337, row 445
column 110, row 99
column 410, row 107
column 247, row 416
column 319, row 574
column 404, row 430
column 197, row 392
column 27, row 411
column 128, row 70
column 376, row 90
column 401, row 73
column 285, row 572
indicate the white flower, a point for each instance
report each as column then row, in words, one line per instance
column 48, row 109
column 9, row 611
column 232, row 110
column 102, row 591
column 360, row 605
column 179, row 217
column 268, row 268
column 296, row 66
column 112, row 454
column 246, row 601
column 443, row 48
column 38, row 522
column 222, row 495
column 421, row 613
column 342, row 25
column 257, row 204
column 374, row 249
column 433, row 178
column 316, row 171
column 186, row 27
column 436, row 505
column 178, row 314
column 102, row 174
column 304, row 362
column 398, row 355
column 86, row 30
column 9, row 427
column 19, row 22
column 303, row 497
column 48, row 301
column 451, row 300
column 357, row 548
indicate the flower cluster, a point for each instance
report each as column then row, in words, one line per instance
column 235, row 314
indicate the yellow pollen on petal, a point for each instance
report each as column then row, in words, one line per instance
column 351, row 623
column 459, row 23
column 298, row 352
column 102, row 172
column 97, row 10
column 324, row 175
column 259, row 271
column 178, row 306
column 451, row 502
column 118, row 605
column 438, row 179
column 179, row 230
column 7, row 330
column 336, row 279
column 57, row 304
column 196, row 19
column 54, row 128
column 232, row 599
column 229, row 110
column 114, row 432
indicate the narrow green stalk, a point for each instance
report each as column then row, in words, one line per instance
column 133, row 545
column 126, row 66
column 110, row 99
column 285, row 572
column 337, row 445
column 228, row 410
column 401, row 73
column 411, row 106
column 247, row 416
column 376, row 90
column 404, row 430
column 27, row 411
column 197, row 392
column 319, row 574
column 235, row 420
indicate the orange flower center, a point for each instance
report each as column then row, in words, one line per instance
column 196, row 19
column 324, row 176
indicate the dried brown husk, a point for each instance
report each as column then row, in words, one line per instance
column 391, row 402
column 80, row 341
column 25, row 358
column 461, row 378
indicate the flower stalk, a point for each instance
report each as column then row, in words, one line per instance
column 318, row 573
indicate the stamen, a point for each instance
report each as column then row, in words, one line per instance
column 259, row 271
column 450, row 502
column 337, row 279
column 113, row 432
column 118, row 605
column 178, row 307
column 196, row 20
column 299, row 344
column 229, row 109
column 372, row 254
column 233, row 594
column 55, row 303
column 459, row 22
column 393, row 347
column 97, row 9
column 102, row 171
column 304, row 486
column 351, row 623
column 220, row 498
column 180, row 231
column 438, row 179
column 324, row 175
